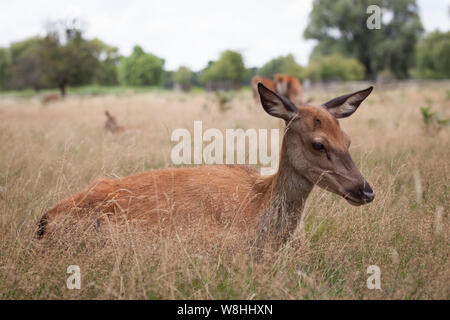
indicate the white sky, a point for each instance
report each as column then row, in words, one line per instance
column 189, row 32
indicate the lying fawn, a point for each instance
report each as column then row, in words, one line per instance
column 223, row 197
column 51, row 97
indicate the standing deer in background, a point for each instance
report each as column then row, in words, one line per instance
column 270, row 84
column 111, row 124
column 289, row 87
column 237, row 198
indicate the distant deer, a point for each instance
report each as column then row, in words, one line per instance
column 51, row 97
column 266, row 209
column 111, row 123
column 270, row 84
column 289, row 87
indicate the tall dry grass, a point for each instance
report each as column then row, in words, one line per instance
column 48, row 152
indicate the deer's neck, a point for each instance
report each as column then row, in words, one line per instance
column 285, row 196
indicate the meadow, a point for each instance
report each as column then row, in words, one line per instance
column 48, row 151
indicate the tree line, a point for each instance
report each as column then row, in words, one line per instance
column 346, row 50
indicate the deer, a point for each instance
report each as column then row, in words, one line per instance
column 265, row 81
column 50, row 98
column 111, row 124
column 289, row 87
column 237, row 198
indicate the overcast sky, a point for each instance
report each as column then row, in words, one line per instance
column 189, row 32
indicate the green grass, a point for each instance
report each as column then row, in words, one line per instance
column 89, row 90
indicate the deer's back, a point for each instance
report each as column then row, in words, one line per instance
column 267, row 82
column 217, row 196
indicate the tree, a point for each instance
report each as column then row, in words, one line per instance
column 230, row 66
column 286, row 65
column 335, row 67
column 168, row 79
column 141, row 69
column 63, row 57
column 340, row 26
column 109, row 58
column 67, row 58
column 182, row 78
column 5, row 67
column 433, row 56
column 25, row 65
column 183, row 75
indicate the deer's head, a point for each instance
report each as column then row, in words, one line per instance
column 315, row 145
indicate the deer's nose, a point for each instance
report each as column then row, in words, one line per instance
column 366, row 193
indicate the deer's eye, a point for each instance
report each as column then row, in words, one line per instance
column 318, row 146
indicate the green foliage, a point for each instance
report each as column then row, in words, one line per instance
column 68, row 59
column 427, row 115
column 431, row 117
column 141, row 69
column 223, row 99
column 230, row 66
column 26, row 70
column 85, row 90
column 340, row 27
column 62, row 58
column 286, row 65
column 251, row 72
column 5, row 66
column 168, row 79
column 433, row 56
column 24, row 47
column 109, row 57
column 335, row 67
column 183, row 75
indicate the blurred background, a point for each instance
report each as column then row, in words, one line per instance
column 104, row 46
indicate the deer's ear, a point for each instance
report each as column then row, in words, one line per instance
column 344, row 106
column 276, row 105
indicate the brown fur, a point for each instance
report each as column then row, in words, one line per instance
column 51, row 97
column 270, row 84
column 289, row 87
column 175, row 197
column 111, row 124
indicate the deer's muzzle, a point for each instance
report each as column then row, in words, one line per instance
column 360, row 195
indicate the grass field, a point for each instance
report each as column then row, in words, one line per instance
column 50, row 151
